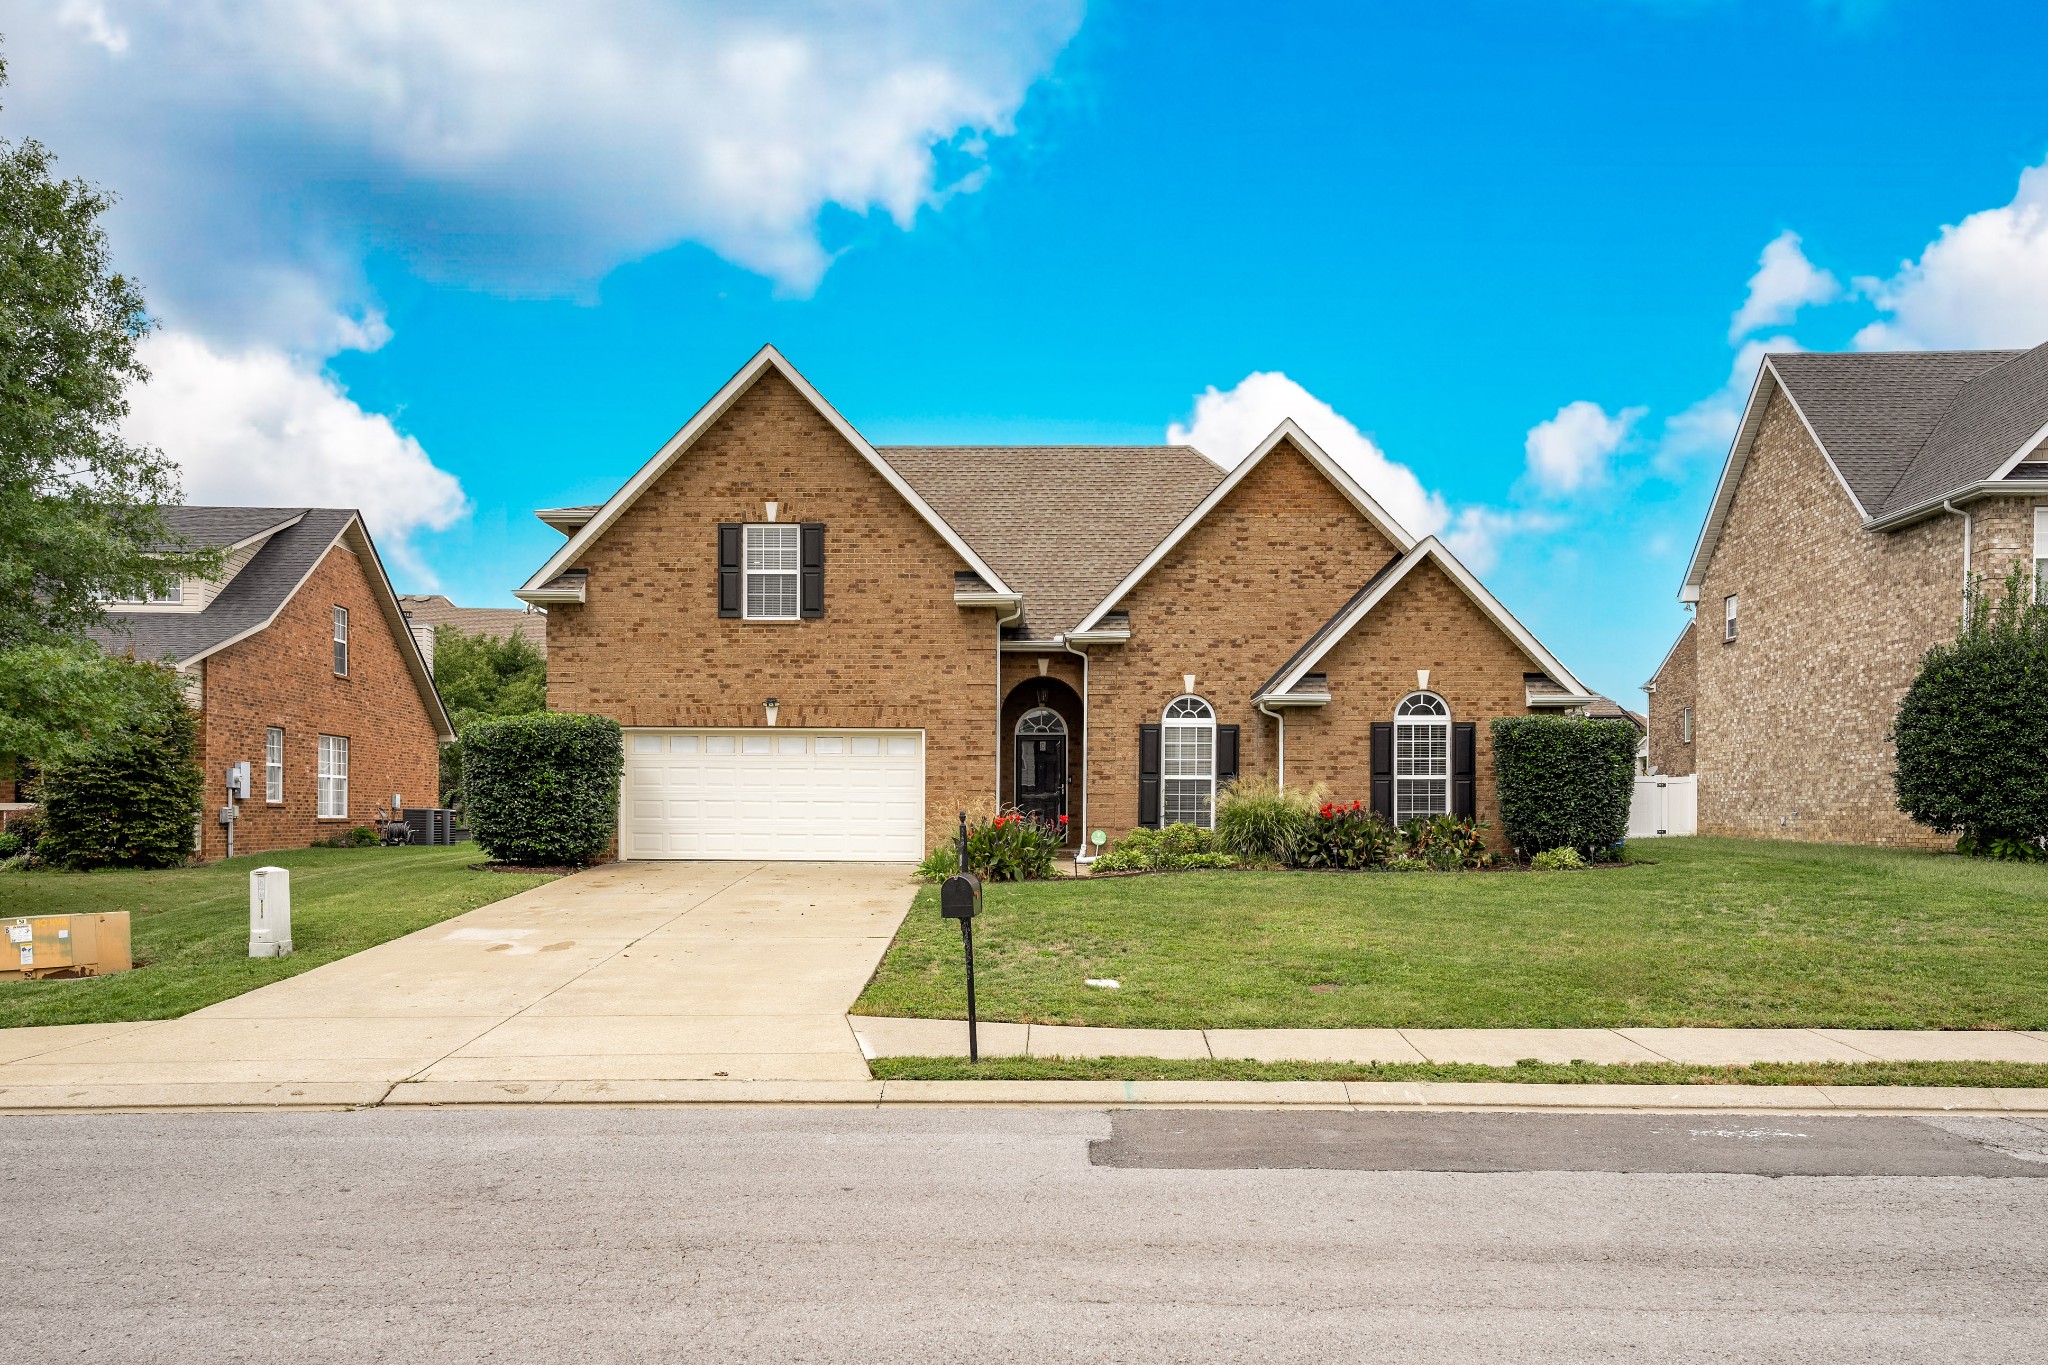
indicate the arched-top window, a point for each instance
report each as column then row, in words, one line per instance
column 1187, row 767
column 1422, row 757
column 1042, row 720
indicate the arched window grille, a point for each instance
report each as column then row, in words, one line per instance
column 1041, row 721
column 1422, row 757
column 1187, row 748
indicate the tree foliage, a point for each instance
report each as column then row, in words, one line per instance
column 543, row 788
column 1565, row 781
column 480, row 678
column 1972, row 730
column 80, row 508
column 132, row 799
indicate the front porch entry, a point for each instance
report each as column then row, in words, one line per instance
column 1041, row 736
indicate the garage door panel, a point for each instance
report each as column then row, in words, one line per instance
column 851, row 795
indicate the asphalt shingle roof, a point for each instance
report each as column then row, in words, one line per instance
column 1906, row 428
column 250, row 598
column 1062, row 525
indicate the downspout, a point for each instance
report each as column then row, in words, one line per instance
column 1281, row 717
column 1001, row 621
column 1087, row 725
column 1953, row 510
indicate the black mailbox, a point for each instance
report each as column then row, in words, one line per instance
column 960, row 896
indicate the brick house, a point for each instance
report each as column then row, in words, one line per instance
column 821, row 649
column 1862, row 495
column 299, row 662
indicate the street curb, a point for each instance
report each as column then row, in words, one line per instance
column 1377, row 1096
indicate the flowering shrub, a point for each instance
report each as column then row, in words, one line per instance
column 1013, row 847
column 1344, row 837
column 1447, row 842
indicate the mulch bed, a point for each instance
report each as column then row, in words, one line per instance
column 552, row 869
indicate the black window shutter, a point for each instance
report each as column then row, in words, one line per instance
column 1226, row 755
column 1383, row 769
column 1464, row 759
column 814, row 570
column 1148, row 776
column 728, row 568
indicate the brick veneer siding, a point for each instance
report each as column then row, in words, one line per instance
column 284, row 676
column 1794, row 714
column 892, row 650
column 1231, row 603
column 1676, row 688
column 1425, row 622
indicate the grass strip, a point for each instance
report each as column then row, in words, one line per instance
column 1996, row 1075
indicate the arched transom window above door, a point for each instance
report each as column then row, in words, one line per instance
column 1188, row 763
column 1422, row 757
column 1042, row 721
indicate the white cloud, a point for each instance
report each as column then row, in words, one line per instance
column 1229, row 424
column 1785, row 281
column 263, row 147
column 1570, row 451
column 256, row 427
column 1982, row 282
column 1707, row 428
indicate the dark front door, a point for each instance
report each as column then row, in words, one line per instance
column 1042, row 776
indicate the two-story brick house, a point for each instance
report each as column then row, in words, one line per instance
column 821, row 649
column 299, row 661
column 1863, row 495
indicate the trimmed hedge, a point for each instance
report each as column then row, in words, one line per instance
column 543, row 788
column 1565, row 781
column 1976, row 710
column 132, row 801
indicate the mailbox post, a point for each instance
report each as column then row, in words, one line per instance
column 960, row 898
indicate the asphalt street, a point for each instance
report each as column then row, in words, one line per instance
column 778, row 1234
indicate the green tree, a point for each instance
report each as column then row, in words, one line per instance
column 1972, row 730
column 132, row 799
column 483, row 678
column 81, row 517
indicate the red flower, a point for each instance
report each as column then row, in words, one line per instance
column 1063, row 819
column 1327, row 808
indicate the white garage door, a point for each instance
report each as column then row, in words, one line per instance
column 843, row 795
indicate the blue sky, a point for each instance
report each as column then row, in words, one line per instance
column 454, row 268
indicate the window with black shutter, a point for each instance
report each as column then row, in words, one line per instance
column 1464, row 762
column 1148, row 776
column 813, row 570
column 729, row 574
column 1383, row 768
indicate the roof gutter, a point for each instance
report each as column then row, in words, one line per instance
column 1983, row 488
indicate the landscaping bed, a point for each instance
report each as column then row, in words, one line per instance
column 190, row 925
column 1715, row 932
column 1994, row 1075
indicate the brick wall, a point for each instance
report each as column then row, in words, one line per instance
column 1425, row 622
column 1794, row 714
column 892, row 650
column 284, row 676
column 1676, row 691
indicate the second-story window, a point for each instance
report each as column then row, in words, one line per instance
column 341, row 642
column 774, row 565
column 1728, row 625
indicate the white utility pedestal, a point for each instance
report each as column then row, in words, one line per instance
column 270, row 912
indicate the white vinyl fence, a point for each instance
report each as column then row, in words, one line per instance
column 1664, row 805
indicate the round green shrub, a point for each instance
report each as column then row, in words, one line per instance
column 1972, row 727
column 543, row 788
column 1564, row 781
column 132, row 800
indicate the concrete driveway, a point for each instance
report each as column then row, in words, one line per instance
column 631, row 972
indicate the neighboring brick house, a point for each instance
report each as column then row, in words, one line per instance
column 1862, row 495
column 299, row 662
column 424, row 612
column 820, row 649
column 1673, row 691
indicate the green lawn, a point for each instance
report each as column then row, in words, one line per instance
column 190, row 925
column 1998, row 1075
column 1713, row 932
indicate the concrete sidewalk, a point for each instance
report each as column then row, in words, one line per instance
column 882, row 1037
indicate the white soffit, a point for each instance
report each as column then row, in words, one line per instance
column 720, row 402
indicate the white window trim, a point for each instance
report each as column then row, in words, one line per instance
column 1685, row 725
column 341, row 642
column 748, row 573
column 1425, row 720
column 1169, row 722
column 273, row 765
column 174, row 598
column 1728, row 609
column 333, row 778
